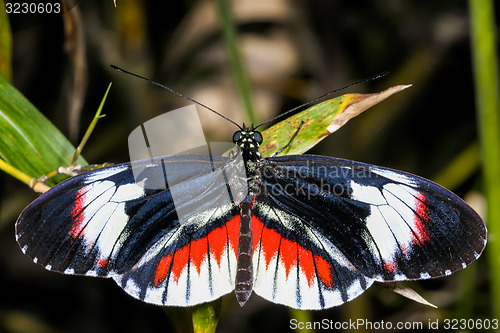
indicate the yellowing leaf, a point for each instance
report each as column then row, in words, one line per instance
column 319, row 121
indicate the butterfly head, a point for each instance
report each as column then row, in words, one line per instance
column 248, row 139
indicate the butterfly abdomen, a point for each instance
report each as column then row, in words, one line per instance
column 244, row 269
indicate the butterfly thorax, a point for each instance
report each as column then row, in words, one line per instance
column 249, row 140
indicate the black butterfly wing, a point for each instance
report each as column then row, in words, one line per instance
column 108, row 223
column 326, row 228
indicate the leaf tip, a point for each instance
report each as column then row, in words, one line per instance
column 405, row 291
column 361, row 103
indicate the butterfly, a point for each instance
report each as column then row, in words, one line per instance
column 306, row 231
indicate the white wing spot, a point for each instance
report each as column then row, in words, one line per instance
column 382, row 244
column 69, row 271
column 400, row 277
column 393, row 175
column 105, row 173
column 132, row 288
column 354, row 289
column 128, row 192
column 368, row 194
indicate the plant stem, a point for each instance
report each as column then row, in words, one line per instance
column 91, row 127
column 483, row 45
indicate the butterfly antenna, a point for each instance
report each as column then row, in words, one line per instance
column 175, row 92
column 323, row 96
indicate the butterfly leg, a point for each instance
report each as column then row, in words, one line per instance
column 290, row 141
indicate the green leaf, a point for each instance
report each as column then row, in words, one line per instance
column 319, row 121
column 5, row 44
column 28, row 140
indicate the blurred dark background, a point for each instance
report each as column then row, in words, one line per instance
column 294, row 51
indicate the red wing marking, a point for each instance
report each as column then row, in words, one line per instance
column 180, row 262
column 101, row 263
column 324, row 270
column 257, row 227
column 217, row 245
column 390, row 266
column 162, row 269
column 199, row 252
column 307, row 265
column 78, row 213
column 422, row 214
column 290, row 254
column 196, row 252
column 269, row 242
column 218, row 238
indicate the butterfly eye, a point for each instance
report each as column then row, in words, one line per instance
column 236, row 136
column 257, row 137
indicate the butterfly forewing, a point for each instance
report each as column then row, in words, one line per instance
column 104, row 222
column 63, row 228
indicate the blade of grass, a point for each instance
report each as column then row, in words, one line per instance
column 26, row 131
column 460, row 168
column 28, row 140
column 236, row 61
column 91, row 127
column 484, row 55
column 5, row 44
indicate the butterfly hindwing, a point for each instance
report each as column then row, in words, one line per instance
column 194, row 264
column 297, row 266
